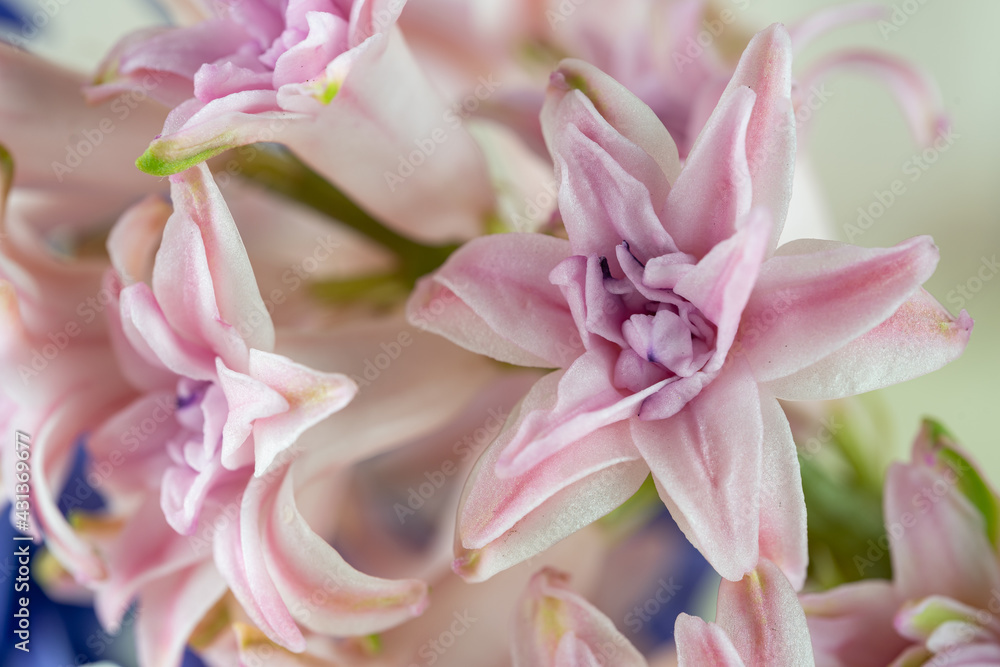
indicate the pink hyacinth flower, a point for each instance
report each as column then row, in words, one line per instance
column 331, row 79
column 943, row 605
column 675, row 326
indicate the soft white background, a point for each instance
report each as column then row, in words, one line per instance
column 859, row 145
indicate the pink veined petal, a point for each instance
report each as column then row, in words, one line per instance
column 814, row 297
column 763, row 617
column 920, row 337
column 248, row 399
column 611, row 188
column 940, row 546
column 170, row 610
column 782, row 503
column 585, row 401
column 706, row 462
column 493, row 296
column 852, row 625
column 139, row 365
column 819, row 23
column 625, row 112
column 552, row 626
column 308, row 59
column 605, row 194
column 311, row 396
column 184, row 491
column 237, row 548
column 147, row 549
column 915, row 92
column 201, row 243
column 714, row 190
column 766, row 68
column 700, row 643
column 721, row 283
column 134, row 239
column 151, row 335
column 301, row 563
column 504, row 521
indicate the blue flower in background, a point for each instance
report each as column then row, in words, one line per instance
column 9, row 13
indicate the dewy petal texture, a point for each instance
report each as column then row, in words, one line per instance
column 674, row 326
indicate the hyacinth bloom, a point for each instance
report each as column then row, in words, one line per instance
column 213, row 433
column 758, row 623
column 331, row 79
column 676, row 326
column 943, row 605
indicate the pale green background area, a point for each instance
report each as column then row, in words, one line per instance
column 859, row 144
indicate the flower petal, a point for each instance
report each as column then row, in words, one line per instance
column 551, row 623
column 814, row 297
column 700, row 643
column 504, row 521
column 764, row 618
column 920, row 337
column 852, row 625
column 493, row 296
column 706, row 461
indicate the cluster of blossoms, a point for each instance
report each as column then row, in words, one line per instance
column 275, row 343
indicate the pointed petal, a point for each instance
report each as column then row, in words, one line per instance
column 766, row 68
column 504, row 521
column 622, row 110
column 248, row 400
column 814, row 297
column 203, row 279
column 551, row 622
column 700, row 643
column 310, row 397
column 938, row 538
column 715, row 190
column 852, row 625
column 134, row 239
column 237, row 548
column 583, row 399
column 706, row 462
column 493, row 296
column 782, row 502
column 301, row 564
column 764, row 618
column 721, row 283
column 920, row 337
column 151, row 335
column 170, row 610
column 611, row 189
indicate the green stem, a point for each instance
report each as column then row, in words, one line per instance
column 281, row 172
